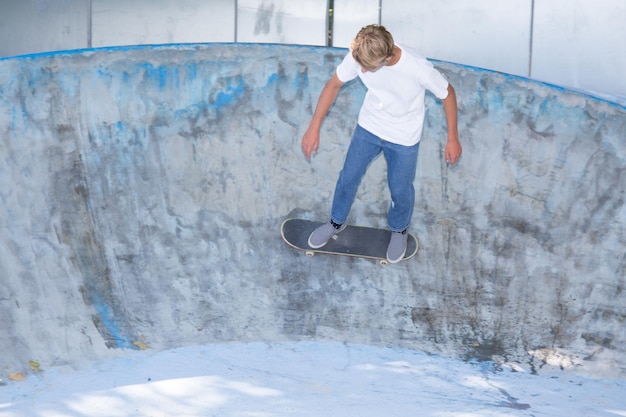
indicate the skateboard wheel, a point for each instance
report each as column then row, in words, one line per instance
column 383, row 262
column 309, row 253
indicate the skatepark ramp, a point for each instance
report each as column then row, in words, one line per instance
column 142, row 191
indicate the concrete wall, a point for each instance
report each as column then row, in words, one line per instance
column 570, row 43
column 142, row 191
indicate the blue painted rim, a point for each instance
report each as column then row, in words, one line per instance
column 612, row 100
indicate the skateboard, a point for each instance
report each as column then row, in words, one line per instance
column 356, row 241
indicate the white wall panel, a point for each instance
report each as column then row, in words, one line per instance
column 581, row 43
column 575, row 43
column 41, row 26
column 349, row 16
column 492, row 34
column 282, row 21
column 123, row 22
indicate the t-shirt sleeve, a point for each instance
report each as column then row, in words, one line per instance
column 348, row 69
column 433, row 81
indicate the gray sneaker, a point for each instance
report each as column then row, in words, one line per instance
column 324, row 233
column 397, row 246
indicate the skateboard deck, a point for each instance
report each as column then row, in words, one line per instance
column 357, row 241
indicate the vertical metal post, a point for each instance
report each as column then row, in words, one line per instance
column 330, row 11
column 89, row 24
column 532, row 35
column 235, row 22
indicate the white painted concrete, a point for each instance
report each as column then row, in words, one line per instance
column 350, row 16
column 282, row 21
column 581, row 44
column 28, row 27
column 490, row 34
column 576, row 44
column 142, row 22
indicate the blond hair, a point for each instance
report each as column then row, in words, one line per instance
column 372, row 46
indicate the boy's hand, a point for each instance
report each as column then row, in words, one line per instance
column 310, row 142
column 453, row 151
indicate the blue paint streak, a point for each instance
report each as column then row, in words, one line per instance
column 272, row 79
column 162, row 76
column 234, row 45
column 225, row 97
column 228, row 96
column 301, row 81
column 192, row 70
column 104, row 312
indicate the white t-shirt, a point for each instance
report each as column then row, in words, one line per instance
column 393, row 108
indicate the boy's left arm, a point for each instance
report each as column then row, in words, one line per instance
column 453, row 147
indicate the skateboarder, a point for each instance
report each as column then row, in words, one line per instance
column 390, row 121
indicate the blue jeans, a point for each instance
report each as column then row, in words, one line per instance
column 401, row 166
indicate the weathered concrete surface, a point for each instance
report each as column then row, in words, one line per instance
column 142, row 189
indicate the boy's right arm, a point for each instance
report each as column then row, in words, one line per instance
column 311, row 138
